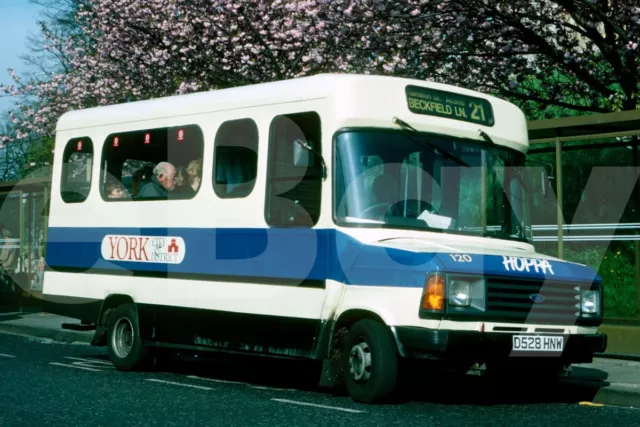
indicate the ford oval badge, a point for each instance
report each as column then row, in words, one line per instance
column 536, row 298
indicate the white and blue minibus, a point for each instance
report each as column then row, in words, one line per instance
column 359, row 221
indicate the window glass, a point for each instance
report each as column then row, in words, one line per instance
column 153, row 164
column 235, row 158
column 294, row 177
column 77, row 165
column 430, row 182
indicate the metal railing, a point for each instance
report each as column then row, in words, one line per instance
column 577, row 228
column 10, row 243
column 589, row 228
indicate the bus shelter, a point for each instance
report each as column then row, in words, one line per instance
column 23, row 232
column 592, row 215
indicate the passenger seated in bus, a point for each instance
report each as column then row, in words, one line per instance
column 183, row 189
column 181, row 178
column 194, row 173
column 140, row 177
column 162, row 182
column 115, row 190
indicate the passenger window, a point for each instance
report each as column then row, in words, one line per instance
column 77, row 165
column 235, row 158
column 153, row 164
column 294, row 190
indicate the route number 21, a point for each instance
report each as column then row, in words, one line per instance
column 478, row 112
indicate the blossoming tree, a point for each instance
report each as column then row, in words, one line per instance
column 579, row 55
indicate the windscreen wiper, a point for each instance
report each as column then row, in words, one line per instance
column 490, row 141
column 434, row 147
column 486, row 137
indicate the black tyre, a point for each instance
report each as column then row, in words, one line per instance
column 125, row 347
column 370, row 362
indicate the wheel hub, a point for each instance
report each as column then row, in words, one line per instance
column 122, row 338
column 360, row 362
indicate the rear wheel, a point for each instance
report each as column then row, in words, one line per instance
column 124, row 343
column 370, row 362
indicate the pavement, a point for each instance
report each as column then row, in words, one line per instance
column 622, row 339
column 606, row 381
column 43, row 325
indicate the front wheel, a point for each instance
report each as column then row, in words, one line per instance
column 370, row 362
column 126, row 350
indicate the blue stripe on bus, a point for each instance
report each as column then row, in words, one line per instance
column 293, row 254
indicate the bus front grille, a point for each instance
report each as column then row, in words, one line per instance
column 527, row 301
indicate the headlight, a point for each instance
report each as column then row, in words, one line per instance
column 460, row 293
column 589, row 302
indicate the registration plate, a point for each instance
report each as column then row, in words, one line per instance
column 538, row 343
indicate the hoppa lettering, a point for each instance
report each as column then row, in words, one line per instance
column 512, row 263
column 156, row 249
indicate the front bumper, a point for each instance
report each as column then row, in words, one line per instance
column 449, row 344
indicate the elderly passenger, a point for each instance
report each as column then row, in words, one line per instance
column 162, row 182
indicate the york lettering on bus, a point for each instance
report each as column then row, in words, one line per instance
column 131, row 248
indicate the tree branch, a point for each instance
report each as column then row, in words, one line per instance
column 521, row 96
column 627, row 80
column 604, row 18
column 264, row 44
column 531, row 37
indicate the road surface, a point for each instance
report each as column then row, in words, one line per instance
column 52, row 384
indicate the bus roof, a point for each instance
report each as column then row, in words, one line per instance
column 347, row 87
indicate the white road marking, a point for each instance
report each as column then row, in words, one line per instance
column 295, row 402
column 7, row 355
column 213, row 380
column 90, row 363
column 101, row 362
column 259, row 387
column 181, row 384
column 74, row 366
column 16, row 313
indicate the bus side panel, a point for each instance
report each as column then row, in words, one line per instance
column 186, row 326
column 179, row 310
column 204, row 312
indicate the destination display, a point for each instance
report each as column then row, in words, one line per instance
column 450, row 105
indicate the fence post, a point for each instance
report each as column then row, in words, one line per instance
column 21, row 256
column 559, row 197
column 636, row 243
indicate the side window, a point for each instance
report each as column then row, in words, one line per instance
column 235, row 158
column 294, row 177
column 152, row 164
column 77, row 165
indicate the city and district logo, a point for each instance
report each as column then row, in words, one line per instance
column 156, row 249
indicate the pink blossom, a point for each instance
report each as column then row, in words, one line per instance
column 209, row 44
